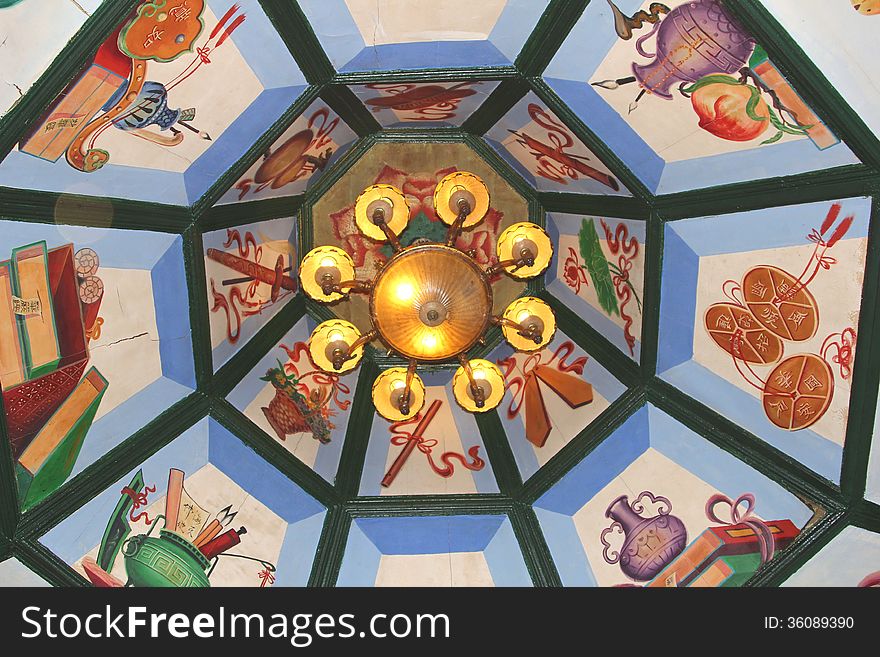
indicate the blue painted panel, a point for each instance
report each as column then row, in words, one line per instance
column 172, row 320
column 599, row 468
column 678, row 301
column 430, row 534
column 260, row 479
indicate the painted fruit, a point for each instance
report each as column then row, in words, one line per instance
column 722, row 111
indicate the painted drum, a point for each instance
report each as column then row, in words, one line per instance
column 798, row 391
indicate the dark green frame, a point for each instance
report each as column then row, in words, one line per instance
column 836, row 506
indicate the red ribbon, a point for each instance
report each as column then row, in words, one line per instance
column 138, row 500
column 517, row 385
column 766, row 541
column 628, row 250
column 266, row 578
column 400, row 438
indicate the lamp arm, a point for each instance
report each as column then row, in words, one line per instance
column 526, row 259
column 464, row 209
column 527, row 332
column 379, row 220
column 341, row 357
column 476, row 390
column 405, row 398
column 353, row 285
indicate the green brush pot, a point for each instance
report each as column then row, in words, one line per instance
column 167, row 561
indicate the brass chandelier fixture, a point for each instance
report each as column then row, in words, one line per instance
column 430, row 302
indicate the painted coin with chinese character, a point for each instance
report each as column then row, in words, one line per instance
column 798, row 391
column 736, row 330
column 781, row 303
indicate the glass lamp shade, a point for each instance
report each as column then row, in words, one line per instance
column 430, row 302
column 528, row 311
column 388, row 198
column 332, row 335
column 487, row 376
column 454, row 186
column 525, row 235
column 388, row 389
column 324, row 261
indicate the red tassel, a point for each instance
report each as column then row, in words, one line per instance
column 229, row 30
column 226, row 17
column 840, row 231
column 833, row 212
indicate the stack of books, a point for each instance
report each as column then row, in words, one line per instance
column 722, row 556
column 50, row 404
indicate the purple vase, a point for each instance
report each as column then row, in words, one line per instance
column 649, row 543
column 694, row 40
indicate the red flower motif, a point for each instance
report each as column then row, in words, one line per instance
column 573, row 272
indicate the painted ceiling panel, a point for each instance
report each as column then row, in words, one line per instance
column 240, row 303
column 295, row 403
column 212, row 476
column 654, row 469
column 299, row 157
column 423, row 105
column 759, row 317
column 536, row 143
column 687, row 98
column 600, row 274
column 160, row 119
column 363, row 35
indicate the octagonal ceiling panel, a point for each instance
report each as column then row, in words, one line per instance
column 451, row 456
column 108, row 351
column 419, row 105
column 662, row 470
column 298, row 158
column 415, row 169
column 852, row 558
column 853, row 33
column 535, row 142
column 297, row 404
column 33, row 34
column 240, row 303
column 782, row 288
column 702, row 128
column 205, row 475
column 433, row 551
column 599, row 273
column 158, row 119
column 551, row 396
column 366, row 35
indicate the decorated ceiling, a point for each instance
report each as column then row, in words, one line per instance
column 707, row 172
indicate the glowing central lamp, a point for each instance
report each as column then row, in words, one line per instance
column 431, row 302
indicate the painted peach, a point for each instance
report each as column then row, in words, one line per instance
column 722, row 111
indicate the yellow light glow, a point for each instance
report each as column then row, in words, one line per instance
column 397, row 384
column 405, row 291
column 479, row 374
column 429, row 341
column 336, row 336
column 523, row 316
column 328, row 262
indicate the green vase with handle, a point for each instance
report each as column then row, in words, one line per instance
column 169, row 560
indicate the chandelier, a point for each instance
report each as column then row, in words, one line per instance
column 430, row 302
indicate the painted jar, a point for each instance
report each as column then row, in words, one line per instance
column 649, row 544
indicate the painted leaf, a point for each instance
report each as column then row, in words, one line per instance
column 597, row 265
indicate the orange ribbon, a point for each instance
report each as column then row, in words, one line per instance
column 555, row 373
